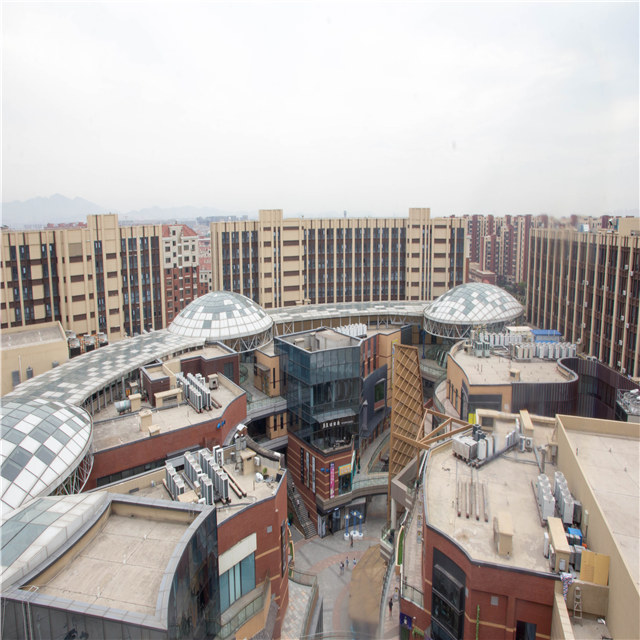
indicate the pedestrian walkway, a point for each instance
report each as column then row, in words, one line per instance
column 299, row 595
column 391, row 630
column 413, row 545
column 322, row 557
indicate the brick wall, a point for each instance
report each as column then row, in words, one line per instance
column 149, row 449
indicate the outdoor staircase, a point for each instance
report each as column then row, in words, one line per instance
column 308, row 527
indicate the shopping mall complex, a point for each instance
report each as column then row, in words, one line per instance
column 112, row 460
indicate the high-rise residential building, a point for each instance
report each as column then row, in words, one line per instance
column 587, row 286
column 98, row 277
column 280, row 262
column 501, row 245
column 181, row 267
column 204, row 260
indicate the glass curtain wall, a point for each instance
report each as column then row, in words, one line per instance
column 323, row 392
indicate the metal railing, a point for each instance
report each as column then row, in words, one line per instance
column 302, row 577
column 383, row 443
column 311, row 603
column 247, row 612
column 391, row 567
column 308, row 580
column 373, row 480
column 256, row 407
column 413, row 594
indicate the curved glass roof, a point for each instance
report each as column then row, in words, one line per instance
column 221, row 315
column 43, row 441
column 474, row 303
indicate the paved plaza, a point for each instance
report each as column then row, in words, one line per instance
column 322, row 557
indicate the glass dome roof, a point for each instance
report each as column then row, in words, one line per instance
column 469, row 305
column 221, row 316
column 42, row 443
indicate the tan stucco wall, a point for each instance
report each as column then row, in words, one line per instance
column 624, row 595
column 272, row 362
column 561, row 628
column 456, row 376
column 37, row 355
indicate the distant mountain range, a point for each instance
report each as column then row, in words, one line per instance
column 38, row 212
column 41, row 211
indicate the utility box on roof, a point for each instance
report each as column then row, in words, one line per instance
column 503, row 533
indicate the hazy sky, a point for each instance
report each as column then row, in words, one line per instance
column 318, row 107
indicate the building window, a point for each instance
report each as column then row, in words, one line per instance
column 525, row 630
column 237, row 581
column 448, row 599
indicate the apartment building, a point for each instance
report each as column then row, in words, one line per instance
column 204, row 261
column 281, row 262
column 181, row 267
column 501, row 245
column 587, row 286
column 97, row 276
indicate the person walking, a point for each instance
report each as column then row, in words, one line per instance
column 347, row 563
column 352, row 541
column 390, row 606
column 341, row 568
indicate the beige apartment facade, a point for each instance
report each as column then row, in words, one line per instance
column 93, row 277
column 281, row 262
column 26, row 352
column 587, row 286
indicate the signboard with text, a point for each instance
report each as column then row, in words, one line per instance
column 332, row 480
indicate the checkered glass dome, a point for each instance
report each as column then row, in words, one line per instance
column 42, row 442
column 474, row 303
column 221, row 315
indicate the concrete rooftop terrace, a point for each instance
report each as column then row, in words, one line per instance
column 111, row 430
column 496, row 369
column 123, row 566
column 150, row 485
column 611, row 465
column 508, row 481
column 28, row 337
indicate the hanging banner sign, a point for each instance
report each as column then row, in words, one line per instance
column 332, row 481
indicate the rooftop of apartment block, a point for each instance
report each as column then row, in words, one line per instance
column 21, row 337
column 498, row 369
column 507, row 482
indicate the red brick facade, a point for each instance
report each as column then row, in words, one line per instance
column 322, row 478
column 150, row 449
column 518, row 595
column 265, row 518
